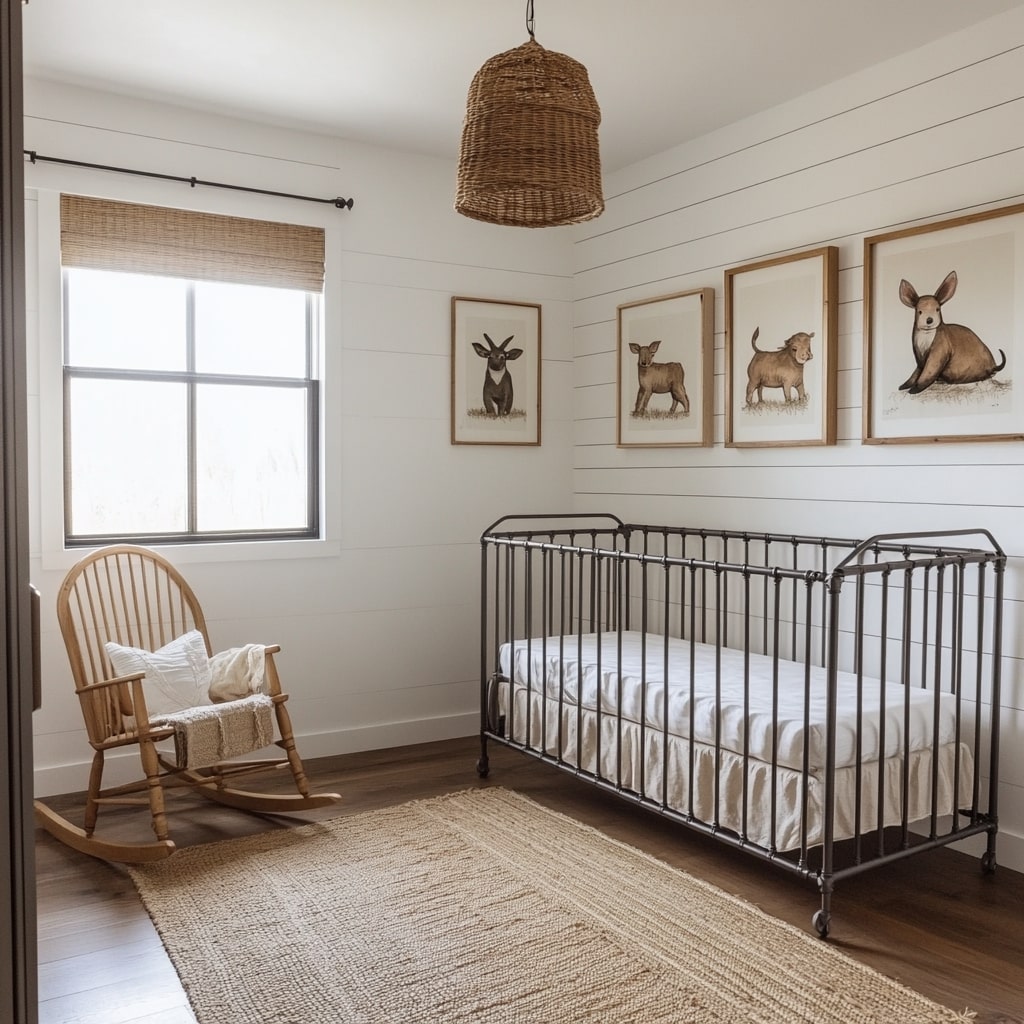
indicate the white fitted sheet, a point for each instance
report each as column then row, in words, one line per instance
column 641, row 676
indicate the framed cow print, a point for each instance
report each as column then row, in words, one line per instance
column 781, row 323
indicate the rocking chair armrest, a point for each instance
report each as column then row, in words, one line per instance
column 128, row 694
column 125, row 685
column 112, row 681
column 271, row 678
column 132, row 698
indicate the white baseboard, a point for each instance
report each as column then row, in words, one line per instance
column 1009, row 849
column 389, row 734
column 123, row 766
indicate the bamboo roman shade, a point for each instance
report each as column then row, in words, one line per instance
column 101, row 234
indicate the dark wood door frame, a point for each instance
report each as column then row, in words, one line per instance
column 18, row 955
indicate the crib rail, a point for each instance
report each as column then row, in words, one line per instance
column 838, row 626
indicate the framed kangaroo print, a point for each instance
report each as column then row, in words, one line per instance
column 781, row 324
column 495, row 372
column 943, row 315
column 665, row 368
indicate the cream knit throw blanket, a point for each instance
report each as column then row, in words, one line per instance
column 237, row 672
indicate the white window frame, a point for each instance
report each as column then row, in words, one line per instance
column 47, row 495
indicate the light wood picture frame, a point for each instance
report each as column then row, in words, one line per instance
column 781, row 330
column 943, row 318
column 666, row 371
column 495, row 372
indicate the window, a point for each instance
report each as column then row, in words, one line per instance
column 191, row 403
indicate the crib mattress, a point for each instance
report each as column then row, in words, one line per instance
column 736, row 704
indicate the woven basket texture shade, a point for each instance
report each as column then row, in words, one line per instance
column 530, row 155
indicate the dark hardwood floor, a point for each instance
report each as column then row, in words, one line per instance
column 934, row 922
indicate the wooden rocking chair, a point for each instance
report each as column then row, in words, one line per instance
column 134, row 598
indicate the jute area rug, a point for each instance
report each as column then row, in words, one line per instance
column 483, row 906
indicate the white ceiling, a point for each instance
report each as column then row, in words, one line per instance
column 395, row 72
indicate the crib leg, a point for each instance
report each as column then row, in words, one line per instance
column 483, row 765
column 822, row 919
column 988, row 858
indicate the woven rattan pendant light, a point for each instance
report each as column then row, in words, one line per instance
column 530, row 155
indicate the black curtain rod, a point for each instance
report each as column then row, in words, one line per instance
column 34, row 157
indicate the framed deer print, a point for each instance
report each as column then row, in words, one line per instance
column 781, row 324
column 495, row 371
column 943, row 318
column 665, row 370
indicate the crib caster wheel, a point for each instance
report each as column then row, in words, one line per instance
column 821, row 922
column 482, row 768
column 988, row 863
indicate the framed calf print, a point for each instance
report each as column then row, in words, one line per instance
column 943, row 312
column 665, row 370
column 781, row 322
column 495, row 372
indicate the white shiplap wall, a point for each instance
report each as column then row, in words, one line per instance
column 379, row 627
column 937, row 133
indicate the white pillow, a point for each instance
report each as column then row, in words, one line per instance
column 177, row 675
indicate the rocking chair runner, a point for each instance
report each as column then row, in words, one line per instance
column 135, row 598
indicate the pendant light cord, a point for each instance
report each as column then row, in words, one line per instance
column 529, row 17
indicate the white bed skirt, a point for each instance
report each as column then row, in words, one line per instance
column 716, row 794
